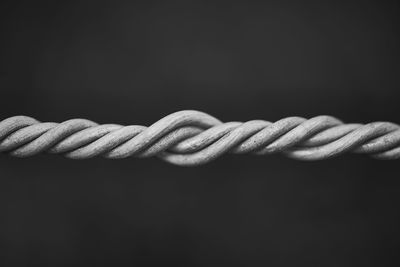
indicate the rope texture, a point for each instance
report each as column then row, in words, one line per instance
column 192, row 138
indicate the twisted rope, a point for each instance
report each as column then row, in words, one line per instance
column 193, row 138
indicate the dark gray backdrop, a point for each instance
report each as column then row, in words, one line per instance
column 133, row 63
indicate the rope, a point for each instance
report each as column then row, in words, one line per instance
column 192, row 138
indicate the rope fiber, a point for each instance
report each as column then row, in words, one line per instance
column 192, row 137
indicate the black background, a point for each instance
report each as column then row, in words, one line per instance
column 133, row 63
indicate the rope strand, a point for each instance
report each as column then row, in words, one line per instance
column 192, row 138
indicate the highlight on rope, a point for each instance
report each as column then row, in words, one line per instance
column 192, row 137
